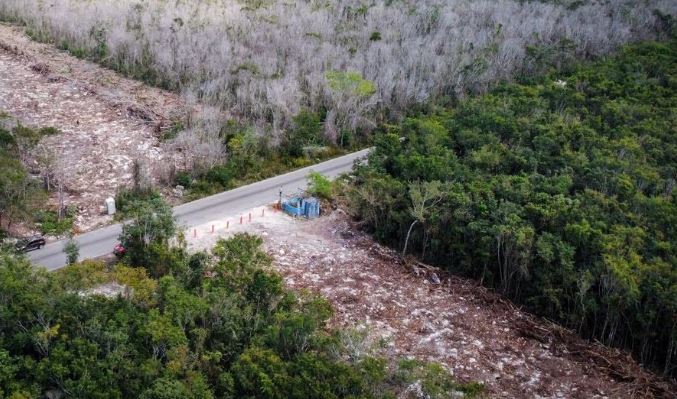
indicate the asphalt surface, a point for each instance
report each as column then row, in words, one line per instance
column 100, row 242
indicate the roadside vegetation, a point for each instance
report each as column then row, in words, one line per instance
column 559, row 194
column 200, row 325
column 23, row 195
column 249, row 158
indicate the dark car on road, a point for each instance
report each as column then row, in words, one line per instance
column 29, row 244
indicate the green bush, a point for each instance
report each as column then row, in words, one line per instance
column 49, row 223
column 48, row 131
column 72, row 251
column 222, row 174
column 126, row 199
column 203, row 188
column 184, row 179
column 172, row 132
column 306, row 131
column 319, row 186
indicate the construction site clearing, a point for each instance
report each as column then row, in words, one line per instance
column 405, row 308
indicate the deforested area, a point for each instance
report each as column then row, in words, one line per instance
column 354, row 63
column 481, row 199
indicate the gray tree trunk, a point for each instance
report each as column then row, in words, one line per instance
column 406, row 241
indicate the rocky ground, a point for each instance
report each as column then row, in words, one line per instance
column 105, row 121
column 419, row 311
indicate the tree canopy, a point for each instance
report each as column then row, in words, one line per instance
column 560, row 193
column 217, row 325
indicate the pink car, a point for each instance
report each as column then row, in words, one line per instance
column 119, row 250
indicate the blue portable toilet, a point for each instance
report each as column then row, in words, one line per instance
column 293, row 207
column 306, row 207
column 312, row 208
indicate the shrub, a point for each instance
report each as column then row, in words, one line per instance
column 125, row 200
column 319, row 186
column 72, row 251
column 86, row 274
column 184, row 179
column 307, row 131
column 49, row 223
column 222, row 174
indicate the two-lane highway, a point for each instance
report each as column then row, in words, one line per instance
column 101, row 241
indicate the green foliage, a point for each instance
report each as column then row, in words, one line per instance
column 544, row 58
column 232, row 332
column 222, row 175
column 184, row 179
column 83, row 275
column 72, row 251
column 49, row 223
column 435, row 380
column 166, row 389
column 350, row 82
column 560, row 194
column 243, row 148
column 172, row 132
column 306, row 131
column 251, row 158
column 20, row 195
column 319, row 186
column 145, row 238
column 127, row 200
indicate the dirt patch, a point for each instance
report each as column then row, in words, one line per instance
column 419, row 311
column 105, row 120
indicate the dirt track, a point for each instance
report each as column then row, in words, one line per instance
column 106, row 121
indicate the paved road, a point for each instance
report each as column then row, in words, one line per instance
column 101, row 241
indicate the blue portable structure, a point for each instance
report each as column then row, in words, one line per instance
column 306, row 207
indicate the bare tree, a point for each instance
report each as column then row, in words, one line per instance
column 46, row 158
column 141, row 174
column 425, row 196
column 264, row 64
column 61, row 176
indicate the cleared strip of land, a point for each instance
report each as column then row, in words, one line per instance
column 105, row 121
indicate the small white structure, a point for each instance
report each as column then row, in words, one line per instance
column 110, row 206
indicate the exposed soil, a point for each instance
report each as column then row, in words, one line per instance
column 106, row 121
column 424, row 313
